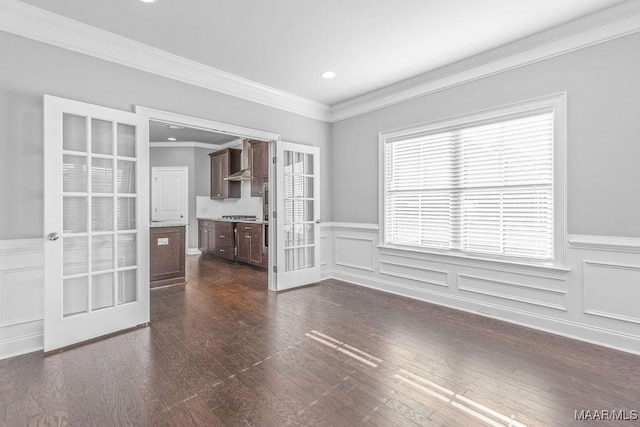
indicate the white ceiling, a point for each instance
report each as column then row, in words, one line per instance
column 158, row 132
column 287, row 44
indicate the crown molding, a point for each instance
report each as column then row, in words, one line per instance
column 38, row 24
column 611, row 23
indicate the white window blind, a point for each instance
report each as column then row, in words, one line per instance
column 481, row 188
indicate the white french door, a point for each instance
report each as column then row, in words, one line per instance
column 298, row 215
column 96, row 219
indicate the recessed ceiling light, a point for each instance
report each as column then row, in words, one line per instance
column 328, row 75
column 148, row 1
column 171, row 139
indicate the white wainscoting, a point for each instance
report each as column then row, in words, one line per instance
column 21, row 296
column 607, row 290
column 595, row 299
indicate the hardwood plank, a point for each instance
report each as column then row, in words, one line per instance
column 222, row 350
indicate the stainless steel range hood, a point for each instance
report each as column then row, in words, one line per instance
column 243, row 174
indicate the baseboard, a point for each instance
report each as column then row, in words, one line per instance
column 566, row 328
column 21, row 345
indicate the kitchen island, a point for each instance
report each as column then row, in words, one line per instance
column 167, row 253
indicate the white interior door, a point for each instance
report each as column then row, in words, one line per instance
column 298, row 215
column 169, row 186
column 96, row 216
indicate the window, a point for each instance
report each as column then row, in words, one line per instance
column 481, row 185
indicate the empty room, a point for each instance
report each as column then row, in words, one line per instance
column 339, row 213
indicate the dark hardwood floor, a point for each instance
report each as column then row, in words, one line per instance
column 222, row 350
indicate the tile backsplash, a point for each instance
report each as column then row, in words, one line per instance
column 246, row 205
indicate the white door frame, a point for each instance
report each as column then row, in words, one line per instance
column 186, row 196
column 197, row 122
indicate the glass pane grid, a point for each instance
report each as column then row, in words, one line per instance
column 99, row 172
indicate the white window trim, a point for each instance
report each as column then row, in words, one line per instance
column 555, row 101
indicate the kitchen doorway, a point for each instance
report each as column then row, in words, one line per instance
column 218, row 234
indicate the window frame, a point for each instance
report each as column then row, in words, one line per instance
column 556, row 102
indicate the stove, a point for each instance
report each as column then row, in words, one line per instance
column 240, row 217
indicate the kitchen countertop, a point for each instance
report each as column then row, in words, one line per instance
column 157, row 224
column 234, row 220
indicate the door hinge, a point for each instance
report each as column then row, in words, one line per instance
column 275, row 214
column 275, row 160
column 275, row 268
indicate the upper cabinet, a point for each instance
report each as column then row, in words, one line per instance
column 224, row 163
column 259, row 164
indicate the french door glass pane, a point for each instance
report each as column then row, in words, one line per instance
column 126, row 213
column 126, row 179
column 298, row 210
column 101, row 175
column 126, row 140
column 74, row 174
column 298, row 235
column 102, row 291
column 127, row 250
column 102, row 253
column 74, row 133
column 102, row 214
column 74, row 255
column 74, row 296
column 127, row 286
column 101, row 137
column 299, row 258
column 74, row 212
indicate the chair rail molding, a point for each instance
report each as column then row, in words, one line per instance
column 605, row 243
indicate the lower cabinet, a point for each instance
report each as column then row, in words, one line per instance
column 249, row 243
column 230, row 240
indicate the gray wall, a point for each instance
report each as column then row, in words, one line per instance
column 603, row 104
column 31, row 69
column 202, row 160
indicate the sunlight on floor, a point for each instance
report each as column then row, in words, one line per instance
column 350, row 351
column 462, row 403
column 416, row 382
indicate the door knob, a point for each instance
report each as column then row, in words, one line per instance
column 53, row 236
column 181, row 216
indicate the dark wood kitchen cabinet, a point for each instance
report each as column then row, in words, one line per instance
column 216, row 238
column 224, row 163
column 167, row 256
column 249, row 243
column 259, row 163
column 206, row 236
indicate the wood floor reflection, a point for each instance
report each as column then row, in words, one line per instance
column 222, row 350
